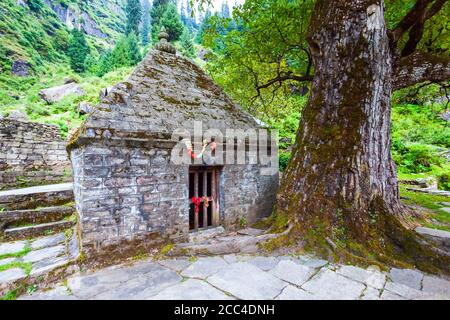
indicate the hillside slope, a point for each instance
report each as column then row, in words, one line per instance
column 34, row 36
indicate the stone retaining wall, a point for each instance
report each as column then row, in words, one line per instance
column 31, row 154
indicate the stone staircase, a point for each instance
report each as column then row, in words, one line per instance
column 38, row 238
column 36, row 211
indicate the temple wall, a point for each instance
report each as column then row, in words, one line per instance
column 31, row 154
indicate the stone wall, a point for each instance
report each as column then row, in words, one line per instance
column 245, row 193
column 130, row 198
column 31, row 154
column 127, row 197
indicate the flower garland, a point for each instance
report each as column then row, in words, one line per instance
column 190, row 149
column 196, row 201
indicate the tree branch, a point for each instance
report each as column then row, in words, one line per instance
column 419, row 67
column 417, row 11
column 282, row 78
column 416, row 31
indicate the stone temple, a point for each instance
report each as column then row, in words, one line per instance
column 129, row 195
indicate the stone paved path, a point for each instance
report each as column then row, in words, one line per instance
column 20, row 259
column 247, row 277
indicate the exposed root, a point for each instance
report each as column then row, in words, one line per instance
column 390, row 244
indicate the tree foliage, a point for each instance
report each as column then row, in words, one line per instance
column 145, row 22
column 172, row 22
column 78, row 50
column 187, row 45
column 133, row 12
column 156, row 13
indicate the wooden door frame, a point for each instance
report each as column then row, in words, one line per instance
column 213, row 200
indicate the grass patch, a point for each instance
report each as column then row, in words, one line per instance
column 25, row 266
column 429, row 202
column 18, row 254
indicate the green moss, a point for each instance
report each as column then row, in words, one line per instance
column 430, row 204
column 18, row 254
column 26, row 266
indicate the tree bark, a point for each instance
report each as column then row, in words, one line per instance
column 340, row 185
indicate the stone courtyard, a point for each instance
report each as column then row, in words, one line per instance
column 246, row 277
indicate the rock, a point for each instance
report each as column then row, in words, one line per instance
column 48, row 241
column 257, row 283
column 402, row 290
column 104, row 92
column 230, row 258
column 18, row 115
column 21, row 3
column 331, row 286
column 387, row 295
column 142, row 286
column 11, row 275
column 20, row 68
column 371, row 294
column 49, row 264
column 90, row 26
column 286, row 140
column 371, row 278
column 440, row 237
column 313, row 263
column 207, row 234
column 175, row 264
column 204, row 267
column 436, row 285
column 191, row 289
column 89, row 285
column 445, row 115
column 85, row 107
column 293, row 293
column 407, row 277
column 264, row 263
column 72, row 19
column 444, row 204
column 6, row 261
column 12, row 247
column 293, row 273
column 202, row 54
column 58, row 293
column 43, row 254
column 251, row 232
column 55, row 94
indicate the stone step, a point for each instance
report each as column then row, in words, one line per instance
column 36, row 230
column 39, row 196
column 35, row 216
column 432, row 191
column 440, row 237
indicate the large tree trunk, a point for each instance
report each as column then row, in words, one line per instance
column 340, row 187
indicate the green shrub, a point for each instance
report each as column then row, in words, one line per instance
column 444, row 181
column 283, row 159
column 416, row 158
column 35, row 5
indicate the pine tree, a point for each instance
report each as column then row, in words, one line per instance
column 225, row 11
column 78, row 50
column 156, row 13
column 205, row 24
column 187, row 45
column 171, row 20
column 145, row 22
column 105, row 64
column 133, row 50
column 133, row 12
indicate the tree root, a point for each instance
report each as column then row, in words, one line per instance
column 390, row 243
